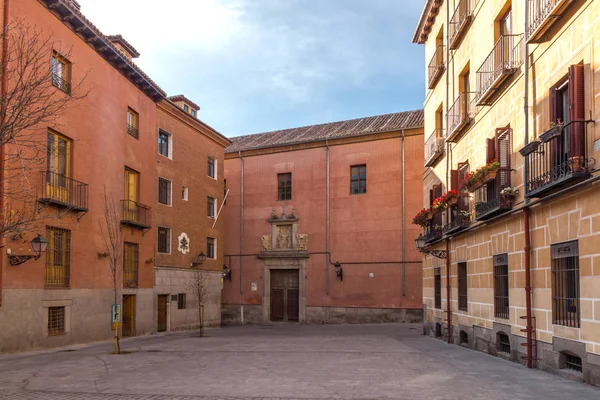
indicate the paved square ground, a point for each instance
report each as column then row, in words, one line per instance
column 392, row 361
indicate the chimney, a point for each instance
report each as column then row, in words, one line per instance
column 124, row 46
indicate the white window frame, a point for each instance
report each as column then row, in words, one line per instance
column 214, row 248
column 214, row 216
column 170, row 144
column 170, row 203
column 169, row 241
column 216, row 169
column 185, row 193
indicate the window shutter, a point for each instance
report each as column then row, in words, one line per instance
column 503, row 146
column 453, row 179
column 430, row 197
column 576, row 111
column 490, row 150
column 553, row 105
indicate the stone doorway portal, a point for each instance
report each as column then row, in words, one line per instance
column 285, row 292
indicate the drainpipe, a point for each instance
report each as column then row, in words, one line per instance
column 242, row 236
column 448, row 306
column 403, row 227
column 327, row 256
column 527, row 249
column 3, row 91
column 448, row 148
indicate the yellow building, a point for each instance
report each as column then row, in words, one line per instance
column 511, row 219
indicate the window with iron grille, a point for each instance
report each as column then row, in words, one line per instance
column 212, row 168
column 164, row 240
column 284, row 186
column 56, row 320
column 503, row 342
column 565, row 284
column 61, row 72
column 358, row 179
column 133, row 123
column 501, row 305
column 210, row 248
column 181, row 301
column 573, row 362
column 164, row 191
column 211, row 207
column 131, row 253
column 462, row 287
column 437, row 282
column 163, row 143
column 58, row 257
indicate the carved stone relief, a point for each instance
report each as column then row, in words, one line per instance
column 301, row 241
column 283, row 236
column 266, row 242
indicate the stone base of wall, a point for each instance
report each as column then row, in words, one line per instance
column 551, row 356
column 231, row 314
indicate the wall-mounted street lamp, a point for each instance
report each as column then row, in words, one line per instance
column 198, row 260
column 226, row 274
column 422, row 247
column 339, row 271
column 38, row 245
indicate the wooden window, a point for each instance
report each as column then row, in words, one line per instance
column 61, row 73
column 132, row 123
column 163, row 143
column 58, row 257
column 358, row 179
column 132, row 185
column 131, row 254
column 56, row 320
column 211, row 248
column 211, row 207
column 184, row 193
column 565, row 284
column 58, row 167
column 164, row 240
column 501, row 305
column 212, row 168
column 164, row 191
column 463, row 304
column 437, row 283
column 181, row 303
column 284, row 186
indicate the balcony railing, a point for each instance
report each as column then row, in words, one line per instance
column 432, row 232
column 135, row 214
column 63, row 191
column 542, row 15
column 61, row 83
column 456, row 224
column 559, row 161
column 436, row 67
column 434, row 148
column 504, row 60
column 488, row 201
column 130, row 277
column 460, row 114
column 133, row 131
column 460, row 21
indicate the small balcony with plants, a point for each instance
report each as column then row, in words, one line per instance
column 504, row 61
column 491, row 186
column 543, row 14
column 557, row 159
column 460, row 115
column 434, row 148
column 436, row 67
column 460, row 21
column 431, row 224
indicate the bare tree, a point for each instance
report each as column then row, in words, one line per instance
column 110, row 226
column 198, row 285
column 30, row 101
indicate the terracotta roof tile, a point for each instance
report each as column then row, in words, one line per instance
column 332, row 130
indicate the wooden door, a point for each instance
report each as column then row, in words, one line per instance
column 162, row 312
column 128, row 315
column 285, row 294
column 132, row 194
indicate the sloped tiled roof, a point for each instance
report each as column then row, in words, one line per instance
column 332, row 130
column 181, row 97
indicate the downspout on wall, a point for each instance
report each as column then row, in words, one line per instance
column 242, row 236
column 328, row 255
column 448, row 151
column 403, row 227
column 3, row 91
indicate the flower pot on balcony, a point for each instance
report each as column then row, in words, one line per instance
column 577, row 164
column 452, row 201
column 530, row 148
column 430, row 214
column 551, row 133
column 489, row 176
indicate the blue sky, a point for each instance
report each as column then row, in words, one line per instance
column 261, row 65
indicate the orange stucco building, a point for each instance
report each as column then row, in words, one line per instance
column 301, row 200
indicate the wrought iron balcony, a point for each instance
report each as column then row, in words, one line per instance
column 63, row 191
column 460, row 21
column 434, row 147
column 133, row 131
column 543, row 14
column 432, row 233
column 61, row 83
column 456, row 224
column 136, row 214
column 504, row 60
column 558, row 161
column 488, row 198
column 460, row 114
column 436, row 67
